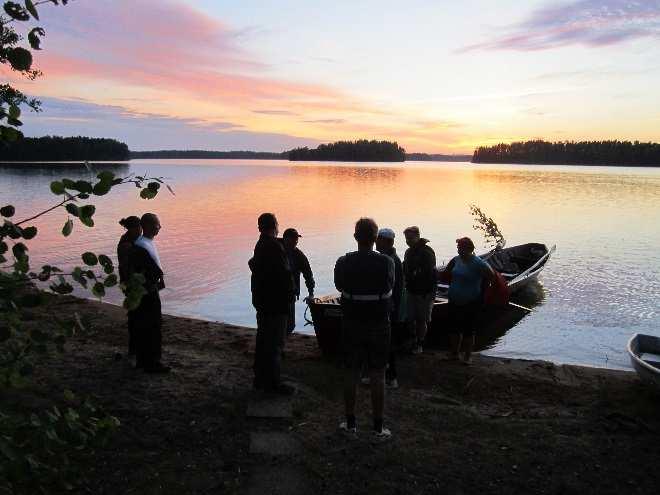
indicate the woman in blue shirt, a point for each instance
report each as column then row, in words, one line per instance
column 468, row 273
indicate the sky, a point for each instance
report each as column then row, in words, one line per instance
column 437, row 77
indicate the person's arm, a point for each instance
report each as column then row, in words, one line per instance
column 487, row 271
column 306, row 270
column 391, row 276
column 339, row 274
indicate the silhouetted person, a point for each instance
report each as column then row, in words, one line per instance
column 148, row 318
column 420, row 280
column 299, row 264
column 272, row 294
column 124, row 247
column 385, row 245
column 365, row 279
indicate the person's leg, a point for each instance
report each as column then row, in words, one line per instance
column 351, row 378
column 377, row 376
column 259, row 381
column 455, row 340
column 279, row 331
column 468, row 346
column 291, row 321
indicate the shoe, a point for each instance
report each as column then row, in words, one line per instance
column 418, row 350
column 393, row 383
column 157, row 369
column 383, row 435
column 366, row 380
column 343, row 427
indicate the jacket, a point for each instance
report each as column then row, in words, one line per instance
column 397, row 290
column 419, row 268
column 271, row 281
column 300, row 264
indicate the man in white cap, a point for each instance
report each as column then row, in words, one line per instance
column 385, row 245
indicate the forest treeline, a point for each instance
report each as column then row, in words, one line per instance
column 202, row 154
column 56, row 148
column 571, row 153
column 436, row 157
column 351, row 151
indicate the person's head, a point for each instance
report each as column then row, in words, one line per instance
column 412, row 235
column 385, row 240
column 366, row 231
column 290, row 237
column 465, row 246
column 267, row 224
column 150, row 225
column 132, row 226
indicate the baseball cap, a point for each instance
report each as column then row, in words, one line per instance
column 386, row 233
column 291, row 233
column 412, row 230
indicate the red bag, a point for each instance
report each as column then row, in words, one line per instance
column 497, row 293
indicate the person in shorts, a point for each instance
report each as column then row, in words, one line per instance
column 365, row 279
column 420, row 281
column 468, row 274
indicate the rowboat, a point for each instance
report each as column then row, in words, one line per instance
column 519, row 265
column 644, row 351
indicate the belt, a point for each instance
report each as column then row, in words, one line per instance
column 367, row 297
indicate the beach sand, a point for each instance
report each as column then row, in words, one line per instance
column 499, row 426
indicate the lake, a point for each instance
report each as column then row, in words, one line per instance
column 601, row 285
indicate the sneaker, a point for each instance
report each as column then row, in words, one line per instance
column 393, row 383
column 418, row 350
column 383, row 435
column 365, row 380
column 343, row 427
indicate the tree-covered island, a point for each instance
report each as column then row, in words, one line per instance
column 56, row 148
column 351, row 151
column 571, row 153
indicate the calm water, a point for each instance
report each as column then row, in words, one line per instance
column 602, row 284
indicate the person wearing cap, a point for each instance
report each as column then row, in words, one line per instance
column 299, row 264
column 272, row 292
column 365, row 279
column 419, row 272
column 385, row 245
column 124, row 246
column 468, row 273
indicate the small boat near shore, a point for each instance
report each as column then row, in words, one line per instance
column 519, row 265
column 644, row 351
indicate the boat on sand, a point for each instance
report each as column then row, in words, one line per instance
column 644, row 351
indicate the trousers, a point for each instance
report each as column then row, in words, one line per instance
column 271, row 335
column 147, row 322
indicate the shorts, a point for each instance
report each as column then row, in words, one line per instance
column 419, row 307
column 465, row 319
column 366, row 343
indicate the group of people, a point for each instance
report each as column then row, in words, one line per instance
column 386, row 303
column 383, row 301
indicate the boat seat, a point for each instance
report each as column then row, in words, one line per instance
column 650, row 358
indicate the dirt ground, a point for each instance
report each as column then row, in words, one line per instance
column 499, row 426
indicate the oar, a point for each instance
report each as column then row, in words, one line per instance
column 520, row 306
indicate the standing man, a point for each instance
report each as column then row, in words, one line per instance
column 147, row 317
column 365, row 279
column 299, row 264
column 272, row 294
column 420, row 279
column 385, row 245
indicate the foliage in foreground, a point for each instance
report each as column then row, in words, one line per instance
column 493, row 237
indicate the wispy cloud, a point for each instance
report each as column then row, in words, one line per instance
column 592, row 23
column 274, row 112
column 325, row 121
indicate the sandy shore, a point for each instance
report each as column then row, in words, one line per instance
column 500, row 426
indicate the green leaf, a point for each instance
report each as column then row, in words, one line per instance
column 83, row 186
column 29, row 233
column 57, row 187
column 87, row 221
column 110, row 280
column 3, row 247
column 31, row 9
column 16, row 11
column 14, row 112
column 19, row 249
column 69, row 395
column 69, row 184
column 147, row 193
column 68, row 227
column 62, row 288
column 104, row 260
column 72, row 209
column 102, row 188
column 10, row 134
column 89, row 258
column 19, row 58
column 98, row 290
column 154, row 186
column 87, row 211
column 7, row 211
column 106, row 176
column 33, row 37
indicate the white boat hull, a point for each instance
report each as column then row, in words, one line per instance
column 643, row 350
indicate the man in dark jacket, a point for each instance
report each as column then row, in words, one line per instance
column 272, row 293
column 147, row 318
column 385, row 245
column 299, row 264
column 365, row 279
column 420, row 280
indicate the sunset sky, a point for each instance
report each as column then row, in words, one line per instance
column 268, row 76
